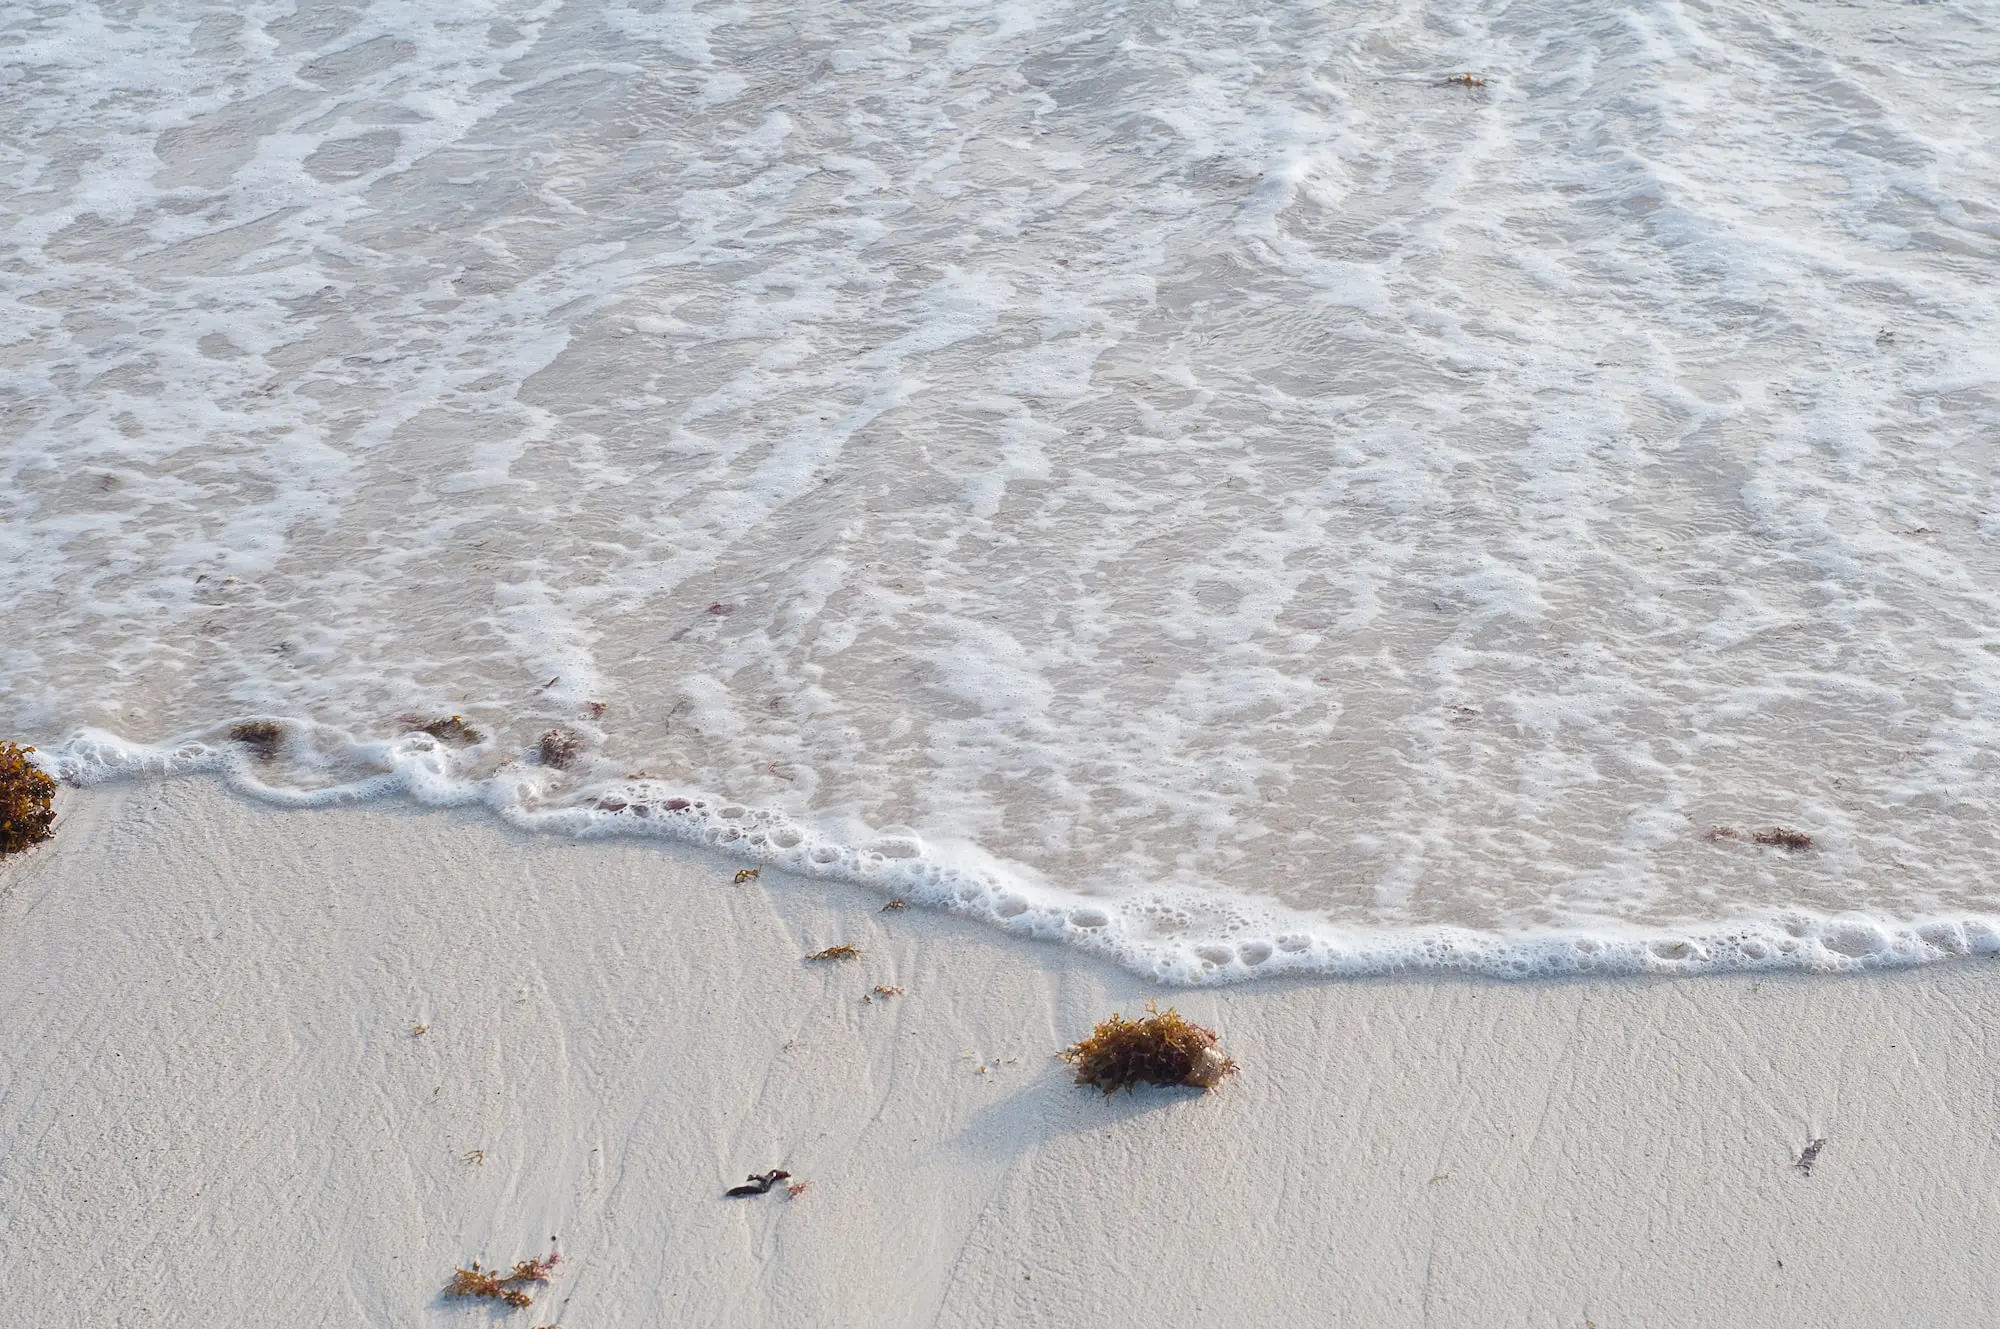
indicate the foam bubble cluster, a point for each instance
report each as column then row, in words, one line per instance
column 1170, row 936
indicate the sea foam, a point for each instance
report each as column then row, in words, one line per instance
column 1172, row 936
column 1244, row 488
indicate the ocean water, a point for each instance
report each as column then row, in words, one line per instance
column 1248, row 487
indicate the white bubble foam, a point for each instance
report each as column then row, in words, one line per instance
column 1215, row 489
column 1171, row 937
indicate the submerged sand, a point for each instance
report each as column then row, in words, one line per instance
column 214, row 1109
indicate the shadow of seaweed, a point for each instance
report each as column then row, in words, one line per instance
column 1055, row 1106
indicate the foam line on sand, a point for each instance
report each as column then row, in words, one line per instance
column 214, row 1109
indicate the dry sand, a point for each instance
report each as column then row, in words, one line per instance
column 214, row 1111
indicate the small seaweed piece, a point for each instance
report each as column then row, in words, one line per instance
column 896, row 904
column 757, row 1184
column 534, row 1271
column 451, row 729
column 494, row 1285
column 1777, row 837
column 263, row 737
column 844, row 951
column 1467, row 81
column 558, row 748
column 747, row 874
column 796, row 1189
column 473, row 1282
column 1158, row 1048
column 1810, row 1154
column 27, row 800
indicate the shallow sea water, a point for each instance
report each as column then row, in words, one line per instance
column 1190, row 479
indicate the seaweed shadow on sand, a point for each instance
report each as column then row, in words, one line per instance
column 1051, row 1106
column 1120, row 1055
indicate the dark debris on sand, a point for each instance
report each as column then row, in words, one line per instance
column 758, row 1183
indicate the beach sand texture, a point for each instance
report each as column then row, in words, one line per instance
column 214, row 1110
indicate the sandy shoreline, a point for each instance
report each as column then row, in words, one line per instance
column 213, row 1110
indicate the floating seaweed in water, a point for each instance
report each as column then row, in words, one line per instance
column 27, row 800
column 263, row 737
column 451, row 729
column 1777, row 837
column 1155, row 1049
column 844, row 951
column 558, row 748
column 491, row 1283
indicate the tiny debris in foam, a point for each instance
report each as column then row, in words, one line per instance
column 1158, row 1048
column 27, row 800
column 559, row 748
column 1776, row 837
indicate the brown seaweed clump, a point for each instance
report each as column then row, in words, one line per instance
column 262, row 737
column 27, row 800
column 559, row 748
column 1155, row 1049
column 491, row 1283
column 451, row 729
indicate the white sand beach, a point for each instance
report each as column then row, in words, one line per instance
column 1274, row 491
column 214, row 1110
